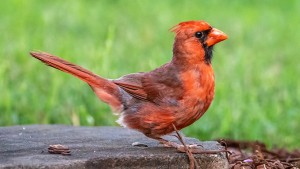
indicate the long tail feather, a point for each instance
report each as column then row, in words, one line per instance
column 106, row 90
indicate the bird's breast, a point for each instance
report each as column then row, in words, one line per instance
column 198, row 84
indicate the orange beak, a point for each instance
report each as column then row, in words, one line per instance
column 215, row 36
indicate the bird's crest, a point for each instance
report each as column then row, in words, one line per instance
column 189, row 25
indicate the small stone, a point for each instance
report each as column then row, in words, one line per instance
column 59, row 149
column 138, row 144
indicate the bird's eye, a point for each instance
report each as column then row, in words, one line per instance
column 199, row 34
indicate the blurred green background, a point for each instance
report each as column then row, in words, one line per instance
column 257, row 68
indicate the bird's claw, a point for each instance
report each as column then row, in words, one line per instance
column 194, row 148
column 170, row 144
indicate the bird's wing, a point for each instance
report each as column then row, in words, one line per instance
column 132, row 84
column 161, row 85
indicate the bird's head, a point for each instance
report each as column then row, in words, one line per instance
column 196, row 39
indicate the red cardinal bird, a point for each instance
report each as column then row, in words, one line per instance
column 177, row 93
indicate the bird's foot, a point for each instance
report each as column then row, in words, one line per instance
column 167, row 143
column 193, row 148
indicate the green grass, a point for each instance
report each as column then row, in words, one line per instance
column 257, row 68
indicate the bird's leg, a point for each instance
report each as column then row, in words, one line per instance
column 164, row 142
column 193, row 162
column 181, row 148
column 196, row 149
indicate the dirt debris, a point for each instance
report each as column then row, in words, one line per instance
column 256, row 155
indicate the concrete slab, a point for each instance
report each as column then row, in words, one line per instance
column 95, row 147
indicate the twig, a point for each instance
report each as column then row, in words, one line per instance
column 227, row 151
